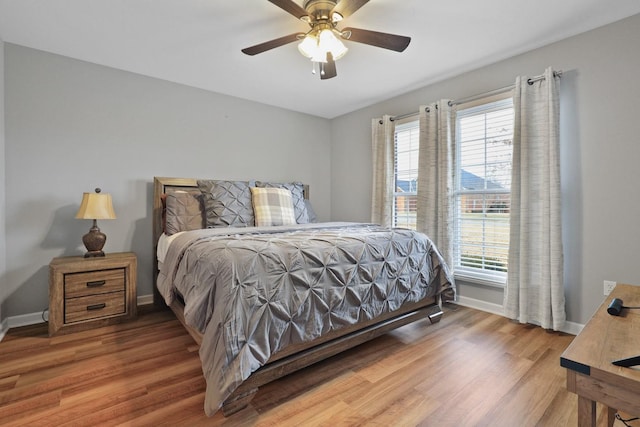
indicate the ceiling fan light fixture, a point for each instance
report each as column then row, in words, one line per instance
column 316, row 44
column 330, row 43
column 323, row 44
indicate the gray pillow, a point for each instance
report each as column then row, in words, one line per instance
column 312, row 214
column 227, row 203
column 184, row 212
column 297, row 194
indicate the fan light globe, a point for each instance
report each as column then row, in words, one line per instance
column 330, row 43
column 316, row 47
column 308, row 46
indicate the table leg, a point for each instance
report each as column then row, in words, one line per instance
column 586, row 412
column 611, row 416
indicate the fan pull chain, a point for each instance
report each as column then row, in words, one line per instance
column 320, row 66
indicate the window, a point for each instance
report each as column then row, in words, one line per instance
column 406, row 173
column 484, row 137
column 481, row 196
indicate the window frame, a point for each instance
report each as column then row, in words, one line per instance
column 409, row 123
column 465, row 273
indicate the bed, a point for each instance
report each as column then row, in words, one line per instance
column 265, row 291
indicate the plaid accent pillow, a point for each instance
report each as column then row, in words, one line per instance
column 297, row 196
column 272, row 206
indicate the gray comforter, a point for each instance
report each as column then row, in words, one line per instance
column 253, row 291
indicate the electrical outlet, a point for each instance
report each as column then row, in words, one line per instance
column 608, row 286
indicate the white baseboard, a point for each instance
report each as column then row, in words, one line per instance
column 571, row 328
column 4, row 327
column 145, row 299
column 25, row 320
column 34, row 318
column 489, row 307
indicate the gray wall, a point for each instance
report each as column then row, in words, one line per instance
column 600, row 92
column 3, row 259
column 72, row 126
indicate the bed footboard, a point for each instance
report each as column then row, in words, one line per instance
column 299, row 357
column 274, row 370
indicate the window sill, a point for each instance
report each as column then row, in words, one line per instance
column 494, row 282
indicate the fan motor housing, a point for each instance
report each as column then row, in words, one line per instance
column 319, row 9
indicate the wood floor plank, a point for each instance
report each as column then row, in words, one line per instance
column 171, row 414
column 8, row 382
column 15, row 412
column 471, row 369
column 124, row 410
column 534, row 385
column 497, row 378
column 91, row 373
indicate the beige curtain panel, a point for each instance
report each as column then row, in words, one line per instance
column 382, row 138
column 535, row 291
column 435, row 179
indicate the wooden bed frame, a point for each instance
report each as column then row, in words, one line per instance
column 294, row 357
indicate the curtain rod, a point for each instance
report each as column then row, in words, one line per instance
column 530, row 81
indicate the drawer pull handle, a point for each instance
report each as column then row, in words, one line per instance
column 96, row 306
column 96, row 283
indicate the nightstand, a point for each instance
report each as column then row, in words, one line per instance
column 86, row 293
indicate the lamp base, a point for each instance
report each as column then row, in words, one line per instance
column 91, row 254
column 94, row 241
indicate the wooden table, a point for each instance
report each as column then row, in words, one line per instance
column 590, row 373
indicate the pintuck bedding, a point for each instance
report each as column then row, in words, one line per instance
column 254, row 292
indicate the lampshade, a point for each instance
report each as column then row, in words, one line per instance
column 96, row 206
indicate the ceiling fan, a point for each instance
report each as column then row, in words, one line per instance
column 322, row 43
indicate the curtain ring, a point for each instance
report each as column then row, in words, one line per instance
column 530, row 82
column 390, row 119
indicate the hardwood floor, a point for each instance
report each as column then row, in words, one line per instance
column 471, row 369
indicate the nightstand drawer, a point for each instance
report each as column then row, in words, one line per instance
column 93, row 282
column 93, row 306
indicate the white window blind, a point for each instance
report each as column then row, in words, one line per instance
column 484, row 136
column 406, row 173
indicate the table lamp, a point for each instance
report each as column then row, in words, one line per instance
column 95, row 206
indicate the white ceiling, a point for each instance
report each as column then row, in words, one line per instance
column 198, row 42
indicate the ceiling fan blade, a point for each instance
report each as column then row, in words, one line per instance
column 347, row 7
column 291, row 7
column 328, row 68
column 271, row 44
column 374, row 38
